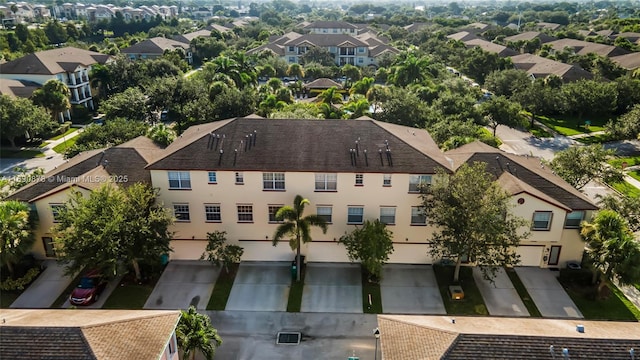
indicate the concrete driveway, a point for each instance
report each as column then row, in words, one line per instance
column 547, row 293
column 44, row 291
column 182, row 284
column 261, row 286
column 501, row 298
column 410, row 289
column 332, row 287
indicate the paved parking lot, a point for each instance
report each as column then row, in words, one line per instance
column 333, row 288
column 410, row 289
column 261, row 286
column 500, row 297
column 547, row 293
column 182, row 284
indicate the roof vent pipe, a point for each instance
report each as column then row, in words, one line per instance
column 366, row 159
column 565, row 353
column 380, row 153
column 553, row 353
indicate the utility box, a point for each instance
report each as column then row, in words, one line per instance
column 456, row 292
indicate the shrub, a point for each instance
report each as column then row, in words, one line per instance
column 20, row 283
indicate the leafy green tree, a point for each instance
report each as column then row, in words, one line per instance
column 401, row 107
column 627, row 207
column 409, row 69
column 161, row 134
column 535, row 98
column 114, row 132
column 590, row 97
column 19, row 116
column 53, row 95
column 477, row 63
column 56, row 33
column 16, row 233
column 371, row 244
column 195, row 333
column 362, row 86
column 500, row 111
column 113, row 225
column 626, row 126
column 351, row 72
column 320, row 55
column 612, row 250
column 297, row 110
column 297, row 227
column 219, row 253
column 296, row 71
column 578, row 165
column 130, row 104
column 473, row 219
column 507, row 82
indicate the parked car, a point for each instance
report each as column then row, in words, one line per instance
column 91, row 285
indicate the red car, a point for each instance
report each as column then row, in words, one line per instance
column 87, row 292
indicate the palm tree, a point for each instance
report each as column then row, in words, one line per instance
column 161, row 134
column 295, row 70
column 409, row 70
column 297, row 227
column 330, row 96
column 195, row 333
column 53, row 95
column 362, row 86
column 612, row 249
column 16, row 237
column 357, row 106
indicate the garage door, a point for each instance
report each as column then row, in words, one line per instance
column 530, row 255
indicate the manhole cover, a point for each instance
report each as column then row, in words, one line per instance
column 288, row 338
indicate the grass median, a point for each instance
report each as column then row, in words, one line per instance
column 222, row 288
column 472, row 304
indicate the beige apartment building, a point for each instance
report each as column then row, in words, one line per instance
column 233, row 175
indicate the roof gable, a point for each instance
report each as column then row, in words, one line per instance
column 54, row 61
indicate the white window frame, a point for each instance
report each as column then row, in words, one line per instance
column 353, row 211
column 181, row 207
column 386, row 179
column 548, row 221
column 239, row 176
column 570, row 218
column 245, row 213
column 388, row 215
column 272, row 210
column 183, row 179
column 325, row 212
column 55, row 212
column 324, row 181
column 209, row 209
column 212, row 177
column 359, row 180
column 273, row 181
column 418, row 217
column 416, row 180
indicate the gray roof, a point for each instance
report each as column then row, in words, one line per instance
column 541, row 67
column 18, row 88
column 628, row 61
column 303, row 145
column 325, row 40
column 54, row 61
column 530, row 35
column 186, row 38
column 586, row 47
column 52, row 343
column 330, row 25
column 491, row 47
column 156, row 45
column 462, row 36
column 322, row 83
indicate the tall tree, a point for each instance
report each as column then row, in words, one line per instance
column 113, row 225
column 578, row 165
column 371, row 244
column 296, row 71
column 16, row 235
column 535, row 98
column 195, row 333
column 473, row 219
column 219, row 252
column 626, row 206
column 18, row 116
column 130, row 104
column 611, row 248
column 53, row 95
column 500, row 111
column 297, row 227
column 626, row 126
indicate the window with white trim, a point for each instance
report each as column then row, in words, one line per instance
column 179, row 179
column 213, row 178
column 573, row 219
column 416, row 181
column 325, row 213
column 273, row 210
column 355, row 215
column 273, row 181
column 212, row 213
column 239, row 178
column 55, row 211
column 359, row 179
column 418, row 217
column 326, row 182
column 542, row 220
column 388, row 215
column 181, row 212
column 245, row 213
column 386, row 179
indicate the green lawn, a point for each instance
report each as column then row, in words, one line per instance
column 631, row 161
column 62, row 147
column 20, row 154
column 295, row 292
column 472, row 304
column 634, row 174
column 523, row 293
column 69, row 131
column 373, row 289
column 7, row 298
column 595, row 139
column 571, row 125
column 130, row 296
column 539, row 132
column 626, row 189
column 222, row 289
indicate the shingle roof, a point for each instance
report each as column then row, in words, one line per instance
column 18, row 88
column 127, row 159
column 322, row 83
column 320, row 145
column 424, row 337
column 530, row 35
column 85, row 334
column 547, row 25
column 586, row 47
column 491, row 47
column 156, row 45
column 54, row 61
column 542, row 67
column 330, row 25
column 218, row 28
column 186, row 38
column 527, row 169
column 629, row 61
column 325, row 40
column 462, row 36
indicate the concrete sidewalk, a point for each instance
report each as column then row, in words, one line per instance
column 43, row 292
column 500, row 297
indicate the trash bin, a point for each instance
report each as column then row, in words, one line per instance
column 164, row 259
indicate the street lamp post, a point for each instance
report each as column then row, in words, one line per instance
column 376, row 334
